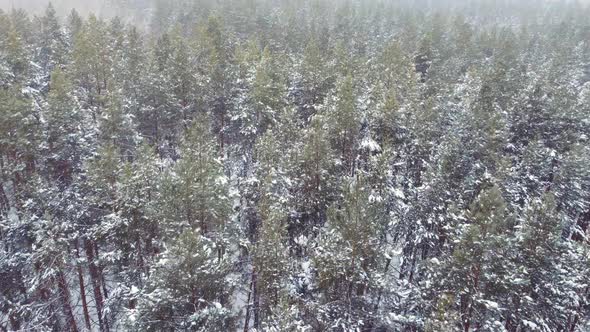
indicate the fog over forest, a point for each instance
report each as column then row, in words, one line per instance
column 126, row 9
column 61, row 6
column 113, row 7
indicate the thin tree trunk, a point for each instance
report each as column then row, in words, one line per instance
column 140, row 260
column 575, row 322
column 82, row 290
column 65, row 299
column 247, row 319
column 95, row 279
column 412, row 267
column 101, row 273
column 381, row 289
column 221, row 131
column 103, row 283
column 44, row 295
column 256, row 300
column 467, row 320
column 351, row 283
column 511, row 324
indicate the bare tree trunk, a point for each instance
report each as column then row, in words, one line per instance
column 101, row 272
column 221, row 135
column 44, row 295
column 412, row 267
column 95, row 279
column 467, row 321
column 82, row 291
column 140, row 261
column 256, row 300
column 65, row 299
column 381, row 289
column 247, row 319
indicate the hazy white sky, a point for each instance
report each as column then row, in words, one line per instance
column 62, row 6
column 104, row 7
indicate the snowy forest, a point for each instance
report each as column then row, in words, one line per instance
column 310, row 165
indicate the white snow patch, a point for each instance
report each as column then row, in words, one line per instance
column 369, row 144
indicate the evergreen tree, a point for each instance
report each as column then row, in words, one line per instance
column 63, row 121
column 473, row 281
column 15, row 57
column 316, row 186
column 91, row 63
column 315, row 79
column 52, row 47
column 541, row 255
column 263, row 97
column 270, row 264
column 20, row 136
column 74, row 25
column 189, row 288
column 195, row 193
column 347, row 257
column 346, row 126
column 214, row 48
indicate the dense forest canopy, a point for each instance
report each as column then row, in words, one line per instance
column 278, row 165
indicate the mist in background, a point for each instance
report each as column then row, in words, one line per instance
column 141, row 12
column 62, row 6
column 132, row 10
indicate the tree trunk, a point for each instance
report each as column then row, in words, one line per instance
column 256, row 300
column 95, row 279
column 44, row 295
column 469, row 303
column 140, row 262
column 247, row 319
column 65, row 299
column 101, row 272
column 381, row 288
column 221, row 130
column 82, row 290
